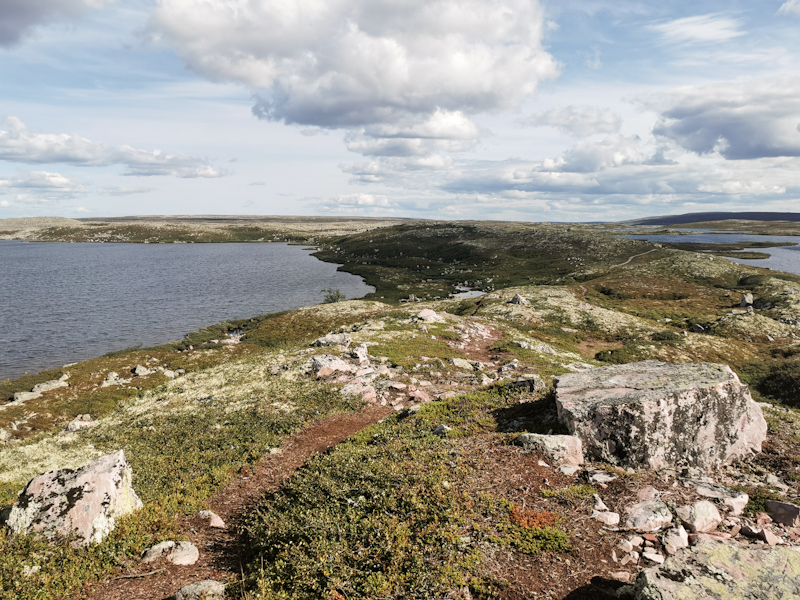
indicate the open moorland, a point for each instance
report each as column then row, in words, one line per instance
column 374, row 448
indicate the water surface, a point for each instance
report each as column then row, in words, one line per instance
column 62, row 303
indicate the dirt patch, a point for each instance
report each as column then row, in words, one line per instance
column 220, row 550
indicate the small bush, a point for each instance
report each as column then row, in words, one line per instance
column 332, row 296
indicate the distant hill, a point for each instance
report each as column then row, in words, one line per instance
column 715, row 216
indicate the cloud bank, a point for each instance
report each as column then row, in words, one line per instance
column 18, row 144
column 741, row 120
column 580, row 121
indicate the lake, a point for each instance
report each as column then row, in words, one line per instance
column 63, row 303
column 786, row 258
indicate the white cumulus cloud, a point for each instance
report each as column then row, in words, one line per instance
column 740, row 120
column 356, row 63
column 18, row 17
column 580, row 121
column 41, row 185
column 18, row 144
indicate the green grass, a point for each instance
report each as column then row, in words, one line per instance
column 390, row 513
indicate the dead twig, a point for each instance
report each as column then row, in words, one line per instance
column 137, row 575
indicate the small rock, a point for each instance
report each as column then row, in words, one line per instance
column 637, row 542
column 80, row 422
column 569, row 470
column 178, row 553
column 763, row 519
column 602, row 477
column 142, row 371
column 517, row 299
column 361, row 353
column 784, row 513
column 733, row 499
column 747, row 300
column 700, row 517
column 442, row 430
column 421, row 396
column 598, row 503
column 321, row 362
column 649, row 516
column 333, row 339
column 647, row 493
column 610, row 519
column 214, row 520
column 676, row 539
column 208, row 589
column 429, row 316
column 462, row 363
column 622, row 576
column 625, row 546
column 654, row 556
column 559, row 449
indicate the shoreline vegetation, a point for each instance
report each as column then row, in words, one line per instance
column 589, row 299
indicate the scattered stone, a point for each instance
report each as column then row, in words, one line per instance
column 214, row 520
column 357, row 387
column 569, row 470
column 333, row 339
column 747, row 299
column 733, row 499
column 208, row 589
column 517, row 299
column 610, row 519
column 325, row 364
column 649, row 516
column 658, row 415
column 676, row 539
column 559, row 449
column 647, row 493
column 602, row 477
column 420, row 396
column 41, row 388
column 723, row 570
column 142, row 371
column 700, row 517
column 178, row 553
column 622, row 576
column 462, row 363
column 784, row 513
column 773, row 481
column 429, row 316
column 442, row 430
column 113, row 378
column 511, row 365
column 598, row 503
column 361, row 354
column 653, row 556
column 84, row 503
column 80, row 422
column 763, row 518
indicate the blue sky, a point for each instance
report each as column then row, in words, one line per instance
column 494, row 109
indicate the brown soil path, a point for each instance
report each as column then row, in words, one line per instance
column 220, row 550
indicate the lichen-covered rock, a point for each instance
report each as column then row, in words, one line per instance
column 208, row 589
column 649, row 516
column 333, row 339
column 178, row 553
column 559, row 449
column 327, row 364
column 655, row 415
column 718, row 571
column 84, row 503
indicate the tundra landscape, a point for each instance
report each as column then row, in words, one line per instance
column 610, row 418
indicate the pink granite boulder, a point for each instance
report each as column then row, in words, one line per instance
column 83, row 503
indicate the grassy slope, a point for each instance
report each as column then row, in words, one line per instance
column 409, row 530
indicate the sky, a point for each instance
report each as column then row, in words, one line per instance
column 529, row 110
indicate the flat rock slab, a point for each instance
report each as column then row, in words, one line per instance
column 84, row 503
column 208, row 589
column 178, row 553
column 655, row 415
column 721, row 570
column 559, row 449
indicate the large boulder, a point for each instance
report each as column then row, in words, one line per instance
column 82, row 503
column 654, row 415
column 717, row 570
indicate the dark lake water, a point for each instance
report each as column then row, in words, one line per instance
column 785, row 258
column 62, row 303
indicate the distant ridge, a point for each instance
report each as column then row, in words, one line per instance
column 715, row 216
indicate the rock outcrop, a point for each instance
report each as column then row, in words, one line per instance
column 655, row 415
column 717, row 570
column 82, row 503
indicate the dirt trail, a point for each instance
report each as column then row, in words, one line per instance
column 631, row 258
column 220, row 550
